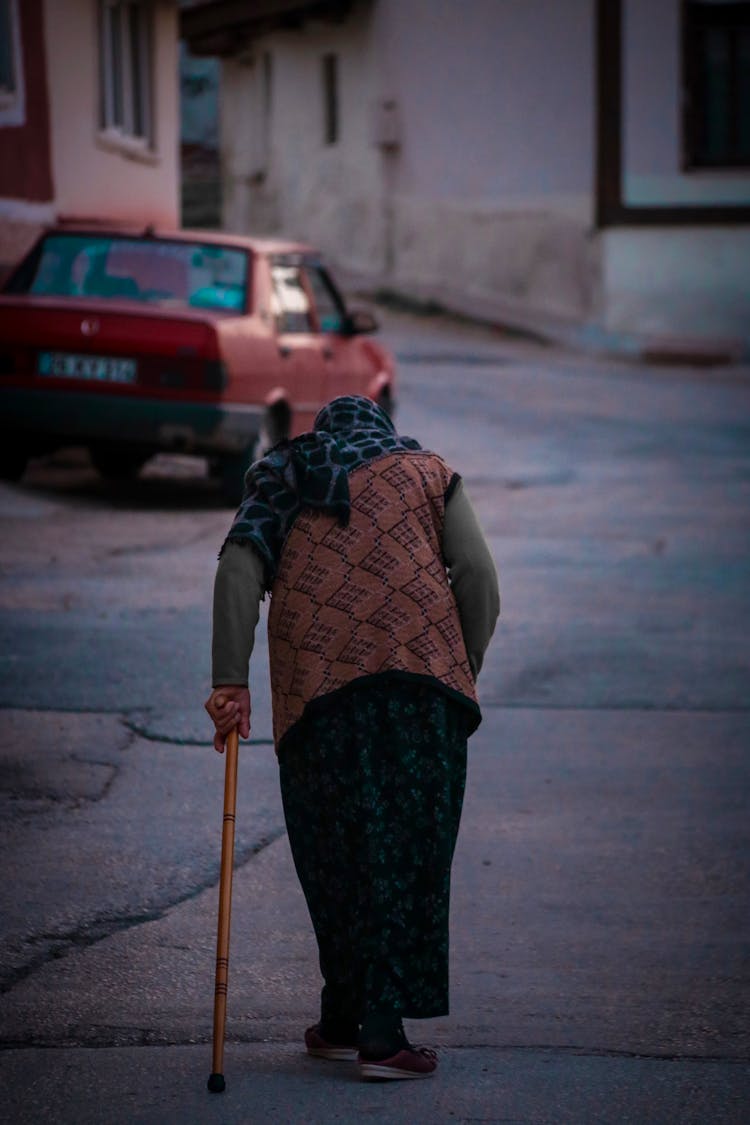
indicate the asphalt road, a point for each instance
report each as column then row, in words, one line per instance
column 601, row 896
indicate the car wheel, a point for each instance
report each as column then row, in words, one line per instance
column 386, row 402
column 12, row 462
column 232, row 471
column 261, row 445
column 274, row 428
column 118, row 464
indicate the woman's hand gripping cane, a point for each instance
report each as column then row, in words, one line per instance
column 229, row 707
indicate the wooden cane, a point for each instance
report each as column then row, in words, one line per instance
column 216, row 1081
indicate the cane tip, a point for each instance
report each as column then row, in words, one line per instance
column 216, row 1083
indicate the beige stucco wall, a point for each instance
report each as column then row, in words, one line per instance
column 687, row 282
column 291, row 181
column 653, row 171
column 492, row 199
column 93, row 176
column 526, row 266
column 486, row 203
column 671, row 282
column 486, row 200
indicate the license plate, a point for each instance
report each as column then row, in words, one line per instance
column 100, row 368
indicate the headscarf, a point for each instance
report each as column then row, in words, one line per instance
column 311, row 471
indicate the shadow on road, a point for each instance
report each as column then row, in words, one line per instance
column 171, row 482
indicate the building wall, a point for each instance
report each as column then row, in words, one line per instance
column 26, row 187
column 652, row 111
column 54, row 160
column 484, row 201
column 465, row 168
column 278, row 173
column 25, row 171
column 492, row 189
column 95, row 176
column 496, row 98
column 683, row 281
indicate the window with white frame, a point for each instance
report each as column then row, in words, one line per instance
column 330, row 65
column 12, row 110
column 716, row 83
column 125, row 52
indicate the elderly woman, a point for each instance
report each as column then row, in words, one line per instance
column 383, row 600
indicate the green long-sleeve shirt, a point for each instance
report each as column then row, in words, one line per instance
column 238, row 591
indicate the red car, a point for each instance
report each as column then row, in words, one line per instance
column 139, row 342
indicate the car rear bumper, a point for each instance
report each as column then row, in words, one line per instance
column 67, row 417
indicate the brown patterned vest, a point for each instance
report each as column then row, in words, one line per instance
column 371, row 598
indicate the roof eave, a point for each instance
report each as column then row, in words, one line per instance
column 222, row 27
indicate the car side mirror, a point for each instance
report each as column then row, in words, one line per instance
column 359, row 322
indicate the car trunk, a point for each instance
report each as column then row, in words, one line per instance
column 108, row 348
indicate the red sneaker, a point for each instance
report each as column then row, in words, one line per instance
column 412, row 1062
column 316, row 1045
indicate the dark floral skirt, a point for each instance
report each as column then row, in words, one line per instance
column 372, row 786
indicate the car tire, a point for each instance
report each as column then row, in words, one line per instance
column 275, row 426
column 262, row 444
column 386, row 402
column 13, row 461
column 118, row 464
column 232, row 469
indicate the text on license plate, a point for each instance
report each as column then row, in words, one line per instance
column 99, row 367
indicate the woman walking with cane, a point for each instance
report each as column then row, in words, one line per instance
column 383, row 600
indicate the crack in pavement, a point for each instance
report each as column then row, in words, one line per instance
column 27, row 797
column 142, row 731
column 106, row 1037
column 68, row 780
column 648, row 708
column 98, row 929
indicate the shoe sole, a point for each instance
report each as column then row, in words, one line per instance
column 336, row 1054
column 377, row 1070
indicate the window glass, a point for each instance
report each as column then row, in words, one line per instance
column 7, row 66
column 743, row 92
column 330, row 99
column 328, row 304
column 289, row 300
column 115, row 72
column 125, row 67
column 717, row 84
column 154, row 271
column 136, row 63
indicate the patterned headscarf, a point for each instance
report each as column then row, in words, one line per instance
column 311, row 471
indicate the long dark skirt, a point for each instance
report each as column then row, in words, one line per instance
column 372, row 786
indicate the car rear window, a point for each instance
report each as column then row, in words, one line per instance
column 152, row 270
